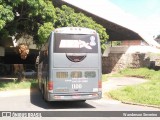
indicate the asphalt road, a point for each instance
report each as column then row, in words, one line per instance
column 31, row 100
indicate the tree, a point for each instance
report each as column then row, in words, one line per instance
column 39, row 17
column 44, row 31
column 25, row 16
column 6, row 16
column 20, row 17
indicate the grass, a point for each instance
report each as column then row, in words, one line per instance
column 17, row 85
column 141, row 73
column 104, row 77
column 146, row 93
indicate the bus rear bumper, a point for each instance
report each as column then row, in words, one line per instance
column 74, row 97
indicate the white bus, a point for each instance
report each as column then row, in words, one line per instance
column 69, row 65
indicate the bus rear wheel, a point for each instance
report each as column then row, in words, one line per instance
column 43, row 92
column 82, row 101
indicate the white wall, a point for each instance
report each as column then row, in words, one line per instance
column 131, row 49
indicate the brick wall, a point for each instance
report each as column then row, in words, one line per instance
column 131, row 42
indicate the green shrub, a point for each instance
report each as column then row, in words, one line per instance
column 18, row 85
column 141, row 73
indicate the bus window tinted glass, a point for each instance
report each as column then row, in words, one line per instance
column 75, row 43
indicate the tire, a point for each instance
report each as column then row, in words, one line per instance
column 43, row 93
column 39, row 86
column 82, row 101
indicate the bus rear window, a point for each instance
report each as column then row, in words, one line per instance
column 75, row 43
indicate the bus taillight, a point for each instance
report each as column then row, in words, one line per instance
column 99, row 84
column 50, row 85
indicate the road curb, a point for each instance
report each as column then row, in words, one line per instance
column 139, row 104
column 107, row 96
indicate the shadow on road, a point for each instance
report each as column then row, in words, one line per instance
column 36, row 99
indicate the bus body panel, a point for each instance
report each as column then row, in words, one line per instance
column 90, row 61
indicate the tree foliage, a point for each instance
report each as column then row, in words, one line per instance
column 26, row 16
column 44, row 31
column 39, row 17
column 6, row 15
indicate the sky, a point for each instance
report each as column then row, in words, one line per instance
column 146, row 11
column 140, row 8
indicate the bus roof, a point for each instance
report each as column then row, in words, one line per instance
column 74, row 30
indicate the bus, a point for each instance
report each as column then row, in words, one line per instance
column 69, row 65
